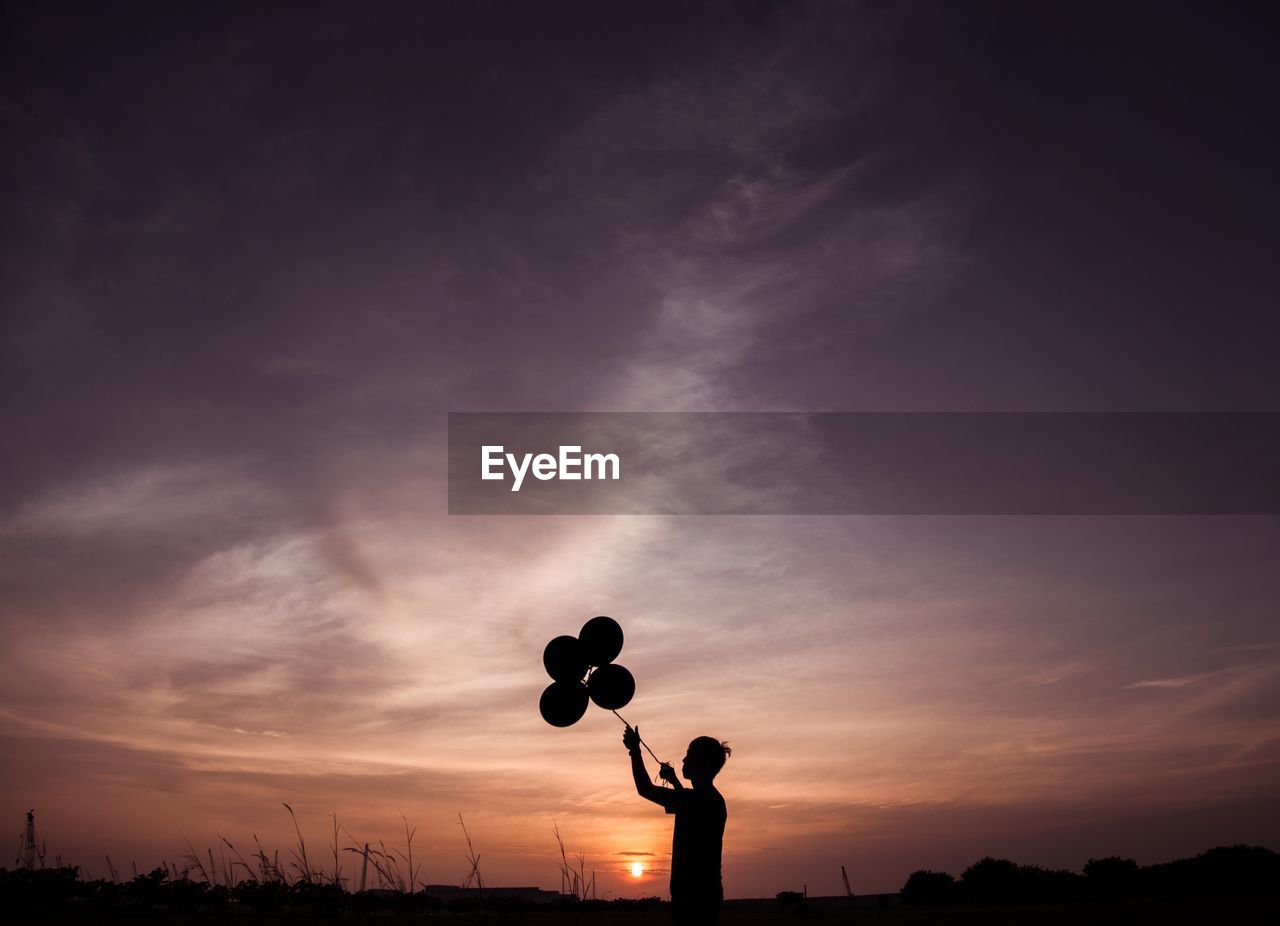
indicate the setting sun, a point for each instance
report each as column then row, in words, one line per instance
column 636, row 869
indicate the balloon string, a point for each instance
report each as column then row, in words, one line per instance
column 642, row 742
column 624, row 720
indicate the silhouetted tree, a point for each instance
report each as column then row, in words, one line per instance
column 929, row 889
column 991, row 880
column 998, row 880
column 1112, row 876
column 1226, row 868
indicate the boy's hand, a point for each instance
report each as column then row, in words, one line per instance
column 631, row 739
column 668, row 774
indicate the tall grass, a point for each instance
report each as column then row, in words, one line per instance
column 382, row 867
column 394, row 868
column 473, row 878
column 386, row 862
column 573, row 882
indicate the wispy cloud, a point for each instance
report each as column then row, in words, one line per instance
column 1181, row 681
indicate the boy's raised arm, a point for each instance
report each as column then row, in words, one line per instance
column 644, row 787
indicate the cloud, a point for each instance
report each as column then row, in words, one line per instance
column 1179, row 682
column 154, row 497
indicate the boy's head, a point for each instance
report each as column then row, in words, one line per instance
column 705, row 758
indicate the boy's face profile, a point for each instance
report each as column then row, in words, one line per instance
column 691, row 767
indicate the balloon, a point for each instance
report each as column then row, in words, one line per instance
column 611, row 687
column 601, row 640
column 563, row 703
column 564, row 659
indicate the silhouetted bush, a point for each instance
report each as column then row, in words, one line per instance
column 1111, row 876
column 262, row 897
column 929, row 889
column 991, row 880
column 1000, row 881
column 382, row 901
column 790, row 900
column 46, row 889
column 59, row 889
column 1227, row 869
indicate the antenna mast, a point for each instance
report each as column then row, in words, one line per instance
column 31, row 854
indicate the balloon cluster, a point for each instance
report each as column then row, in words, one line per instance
column 584, row 670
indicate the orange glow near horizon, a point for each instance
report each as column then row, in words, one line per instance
column 863, row 753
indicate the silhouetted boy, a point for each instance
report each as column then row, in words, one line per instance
column 696, row 890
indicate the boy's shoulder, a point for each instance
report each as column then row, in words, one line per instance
column 707, row 797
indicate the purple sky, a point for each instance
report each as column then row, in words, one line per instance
column 252, row 258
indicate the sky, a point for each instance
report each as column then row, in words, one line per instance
column 254, row 256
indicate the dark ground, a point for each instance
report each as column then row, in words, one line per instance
column 1255, row 908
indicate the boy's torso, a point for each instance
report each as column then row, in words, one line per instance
column 697, row 843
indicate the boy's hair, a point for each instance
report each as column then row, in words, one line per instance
column 710, row 752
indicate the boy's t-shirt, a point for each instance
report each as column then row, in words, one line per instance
column 697, row 842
